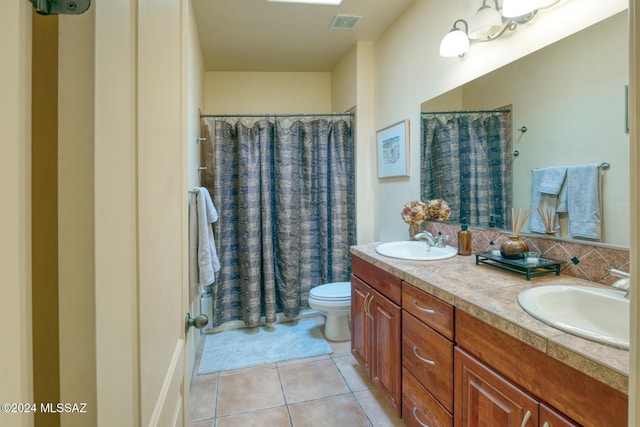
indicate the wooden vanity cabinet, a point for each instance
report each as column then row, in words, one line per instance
column 483, row 398
column 376, row 321
column 487, row 359
column 549, row 417
column 427, row 359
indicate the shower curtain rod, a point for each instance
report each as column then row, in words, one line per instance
column 277, row 115
column 464, row 112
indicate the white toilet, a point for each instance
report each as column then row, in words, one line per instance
column 334, row 301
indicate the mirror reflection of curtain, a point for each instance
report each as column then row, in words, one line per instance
column 467, row 161
column 285, row 197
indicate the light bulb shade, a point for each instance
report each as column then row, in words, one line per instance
column 484, row 23
column 515, row 8
column 455, row 43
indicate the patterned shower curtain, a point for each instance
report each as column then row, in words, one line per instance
column 467, row 161
column 286, row 202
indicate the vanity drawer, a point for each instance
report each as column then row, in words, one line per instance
column 382, row 281
column 429, row 357
column 419, row 408
column 429, row 309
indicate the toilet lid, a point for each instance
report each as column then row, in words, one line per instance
column 338, row 291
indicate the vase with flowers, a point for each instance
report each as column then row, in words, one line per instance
column 416, row 212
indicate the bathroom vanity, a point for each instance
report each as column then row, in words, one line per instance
column 447, row 344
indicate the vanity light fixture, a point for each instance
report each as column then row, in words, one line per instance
column 486, row 22
column 490, row 23
column 456, row 42
column 515, row 8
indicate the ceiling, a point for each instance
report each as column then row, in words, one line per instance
column 255, row 35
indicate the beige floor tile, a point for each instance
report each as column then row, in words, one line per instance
column 207, row 423
column 353, row 373
column 305, row 360
column 249, row 391
column 377, row 409
column 275, row 417
column 249, row 369
column 313, row 380
column 340, row 348
column 202, row 396
column 334, row 411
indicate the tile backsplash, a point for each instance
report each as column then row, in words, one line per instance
column 594, row 261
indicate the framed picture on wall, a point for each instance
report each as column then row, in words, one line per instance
column 393, row 150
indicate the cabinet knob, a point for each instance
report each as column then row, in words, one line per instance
column 525, row 419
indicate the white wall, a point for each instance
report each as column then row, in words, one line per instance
column 409, row 71
column 76, row 292
column 16, row 362
column 267, row 93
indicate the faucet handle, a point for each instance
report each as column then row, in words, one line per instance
column 441, row 240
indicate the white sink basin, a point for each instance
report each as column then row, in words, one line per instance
column 597, row 314
column 413, row 250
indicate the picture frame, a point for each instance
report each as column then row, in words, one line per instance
column 393, row 150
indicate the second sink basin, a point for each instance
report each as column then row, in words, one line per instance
column 597, row 314
column 413, row 250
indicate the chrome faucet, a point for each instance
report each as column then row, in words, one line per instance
column 425, row 235
column 441, row 240
column 623, row 282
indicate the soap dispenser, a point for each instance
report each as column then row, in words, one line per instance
column 464, row 240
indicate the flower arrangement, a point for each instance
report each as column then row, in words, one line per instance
column 438, row 210
column 416, row 212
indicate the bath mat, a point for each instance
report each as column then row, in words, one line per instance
column 256, row 346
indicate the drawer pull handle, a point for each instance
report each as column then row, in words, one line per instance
column 546, row 424
column 426, row 310
column 415, row 415
column 415, row 351
column 525, row 419
column 367, row 306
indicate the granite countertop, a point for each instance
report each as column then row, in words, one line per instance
column 490, row 294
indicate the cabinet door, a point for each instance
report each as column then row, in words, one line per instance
column 385, row 335
column 550, row 417
column 361, row 295
column 483, row 398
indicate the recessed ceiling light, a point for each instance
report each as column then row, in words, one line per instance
column 326, row 2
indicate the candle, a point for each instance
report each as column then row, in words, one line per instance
column 495, row 252
column 532, row 257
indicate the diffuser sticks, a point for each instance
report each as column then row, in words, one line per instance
column 547, row 219
column 515, row 220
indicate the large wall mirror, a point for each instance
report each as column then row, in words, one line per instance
column 570, row 96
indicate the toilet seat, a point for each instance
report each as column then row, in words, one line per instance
column 332, row 292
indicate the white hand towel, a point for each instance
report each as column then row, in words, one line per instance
column 204, row 262
column 583, row 201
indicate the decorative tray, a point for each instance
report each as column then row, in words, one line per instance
column 544, row 266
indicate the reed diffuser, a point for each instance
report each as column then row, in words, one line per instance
column 547, row 220
column 514, row 247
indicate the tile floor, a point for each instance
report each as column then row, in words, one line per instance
column 330, row 391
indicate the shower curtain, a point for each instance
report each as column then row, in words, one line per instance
column 285, row 197
column 467, row 161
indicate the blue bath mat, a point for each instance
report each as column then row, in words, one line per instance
column 256, row 346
